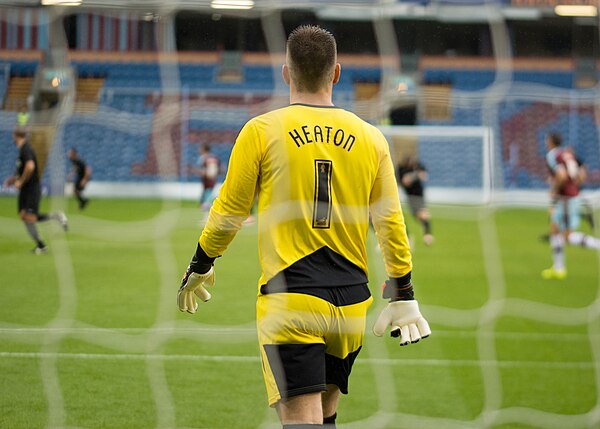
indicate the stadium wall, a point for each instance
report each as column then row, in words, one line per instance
column 434, row 195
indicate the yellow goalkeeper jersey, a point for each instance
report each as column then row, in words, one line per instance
column 319, row 172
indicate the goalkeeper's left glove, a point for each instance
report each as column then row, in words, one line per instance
column 199, row 274
column 406, row 322
column 402, row 313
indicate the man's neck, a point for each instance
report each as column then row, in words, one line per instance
column 320, row 98
column 20, row 143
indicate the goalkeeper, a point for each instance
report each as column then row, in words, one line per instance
column 319, row 171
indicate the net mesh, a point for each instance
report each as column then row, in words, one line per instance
column 144, row 141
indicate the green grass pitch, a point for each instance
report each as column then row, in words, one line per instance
column 90, row 335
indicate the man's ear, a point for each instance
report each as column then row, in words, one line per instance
column 336, row 73
column 285, row 73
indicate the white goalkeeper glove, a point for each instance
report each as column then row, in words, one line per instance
column 405, row 321
column 192, row 285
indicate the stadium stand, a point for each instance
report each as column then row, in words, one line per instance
column 4, row 78
column 216, row 110
column 111, row 150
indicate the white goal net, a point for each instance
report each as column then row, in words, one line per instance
column 92, row 332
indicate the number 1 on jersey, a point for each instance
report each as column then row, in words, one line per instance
column 322, row 207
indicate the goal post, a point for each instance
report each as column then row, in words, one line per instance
column 459, row 160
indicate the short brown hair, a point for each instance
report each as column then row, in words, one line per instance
column 312, row 54
column 19, row 133
column 555, row 139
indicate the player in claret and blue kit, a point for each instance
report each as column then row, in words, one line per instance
column 566, row 177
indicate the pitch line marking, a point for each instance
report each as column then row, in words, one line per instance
column 253, row 359
column 239, row 330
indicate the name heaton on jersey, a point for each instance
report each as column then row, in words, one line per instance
column 322, row 134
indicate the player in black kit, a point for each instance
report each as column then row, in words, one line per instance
column 26, row 179
column 83, row 173
column 412, row 176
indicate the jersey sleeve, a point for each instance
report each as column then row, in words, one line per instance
column 237, row 194
column 27, row 154
column 388, row 218
column 80, row 167
column 551, row 160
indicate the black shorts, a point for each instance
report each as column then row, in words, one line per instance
column 78, row 185
column 29, row 199
column 308, row 342
column 416, row 203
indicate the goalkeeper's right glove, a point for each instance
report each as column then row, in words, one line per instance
column 192, row 285
column 199, row 273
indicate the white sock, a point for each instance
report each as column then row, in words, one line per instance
column 580, row 239
column 557, row 242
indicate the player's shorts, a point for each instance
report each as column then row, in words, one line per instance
column 307, row 342
column 209, row 194
column 29, row 199
column 78, row 184
column 416, row 203
column 566, row 213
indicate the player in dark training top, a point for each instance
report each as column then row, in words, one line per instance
column 412, row 176
column 26, row 179
column 83, row 174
